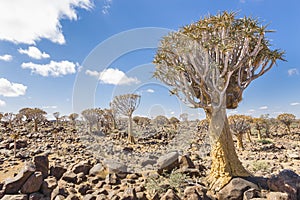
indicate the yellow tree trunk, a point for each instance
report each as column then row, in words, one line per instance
column 239, row 137
column 248, row 134
column 225, row 162
column 130, row 136
column 259, row 134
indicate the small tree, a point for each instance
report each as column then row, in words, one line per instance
column 56, row 115
column 239, row 124
column 15, row 136
column 208, row 64
column 9, row 117
column 37, row 115
column 161, row 121
column 91, row 118
column 73, row 117
column 126, row 104
column 174, row 122
column 184, row 117
column 259, row 125
column 287, row 119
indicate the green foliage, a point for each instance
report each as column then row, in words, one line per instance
column 159, row 185
column 260, row 166
column 264, row 141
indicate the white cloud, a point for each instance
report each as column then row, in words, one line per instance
column 34, row 52
column 150, row 90
column 293, row 71
column 172, row 113
column 49, row 107
column 31, row 20
column 53, row 68
column 113, row 76
column 294, row 103
column 2, row 103
column 263, row 107
column 6, row 57
column 106, row 7
column 9, row 89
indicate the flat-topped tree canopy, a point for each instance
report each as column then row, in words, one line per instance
column 214, row 58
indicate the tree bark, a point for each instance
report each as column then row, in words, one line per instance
column 259, row 134
column 225, row 163
column 130, row 136
column 35, row 125
column 239, row 137
column 249, row 136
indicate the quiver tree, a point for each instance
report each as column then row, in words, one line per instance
column 161, row 121
column 91, row 117
column 259, row 125
column 73, row 117
column 37, row 115
column 184, row 117
column 240, row 124
column 208, row 64
column 126, row 104
column 174, row 122
column 287, row 119
column 15, row 136
column 9, row 117
column 56, row 115
column 109, row 117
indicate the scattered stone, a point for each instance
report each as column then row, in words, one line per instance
column 70, row 177
column 33, row 183
column 42, row 164
column 168, row 162
column 57, row 171
column 13, row 185
column 115, row 167
column 15, row 197
column 83, row 166
column 235, row 189
column 170, row 195
column 36, row 196
column 278, row 196
column 48, row 185
column 96, row 170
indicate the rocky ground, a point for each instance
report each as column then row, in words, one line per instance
column 63, row 163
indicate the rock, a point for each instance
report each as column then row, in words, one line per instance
column 13, row 185
column 57, row 171
column 48, row 185
column 194, row 193
column 84, row 188
column 33, row 183
column 286, row 181
column 72, row 197
column 129, row 194
column 42, row 164
column 96, row 170
column 147, row 161
column 84, row 167
column 15, row 197
column 59, row 191
column 89, row 197
column 70, row 177
column 170, row 195
column 36, row 196
column 278, row 196
column 186, row 162
column 112, row 179
column 115, row 167
column 251, row 193
column 168, row 162
column 235, row 189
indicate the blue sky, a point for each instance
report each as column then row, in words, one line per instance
column 52, row 53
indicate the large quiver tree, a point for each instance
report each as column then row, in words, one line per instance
column 208, row 65
column 126, row 104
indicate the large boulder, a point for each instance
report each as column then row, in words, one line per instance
column 96, row 170
column 168, row 162
column 113, row 166
column 235, row 189
column 286, row 181
column 48, row 185
column 42, row 164
column 13, row 185
column 83, row 166
column 33, row 183
column 57, row 171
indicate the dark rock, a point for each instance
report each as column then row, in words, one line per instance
column 84, row 167
column 235, row 189
column 168, row 162
column 13, row 185
column 170, row 195
column 112, row 179
column 195, row 193
column 48, row 185
column 36, row 196
column 33, row 183
column 251, row 193
column 15, row 197
column 84, row 188
column 60, row 191
column 286, row 181
column 89, row 197
column 57, row 171
column 42, row 164
column 186, row 162
column 70, row 177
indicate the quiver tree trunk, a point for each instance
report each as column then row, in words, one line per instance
column 225, row 162
column 130, row 136
column 248, row 134
column 259, row 134
column 36, row 125
column 239, row 138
